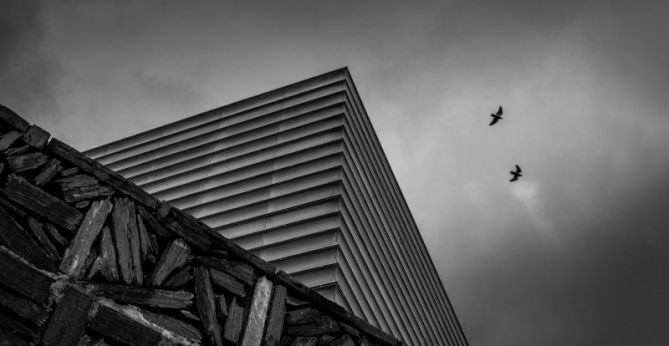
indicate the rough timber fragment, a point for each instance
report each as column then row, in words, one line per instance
column 257, row 313
column 49, row 172
column 143, row 296
column 23, row 278
column 14, row 326
column 173, row 325
column 129, row 326
column 10, row 339
column 227, row 282
column 135, row 251
column 239, row 270
column 17, row 150
column 40, row 202
column 80, row 247
column 233, row 324
column 9, row 117
column 19, row 241
column 68, row 322
column 180, row 278
column 174, row 257
column 82, row 187
column 36, row 137
column 152, row 224
column 344, row 340
column 304, row 341
column 108, row 266
column 323, row 325
column 275, row 316
column 38, row 231
column 67, row 153
column 120, row 233
column 8, row 139
column 23, row 307
column 26, row 162
column 206, row 307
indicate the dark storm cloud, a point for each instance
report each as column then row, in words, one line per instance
column 28, row 75
column 573, row 254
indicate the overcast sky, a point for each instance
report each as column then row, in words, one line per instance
column 573, row 254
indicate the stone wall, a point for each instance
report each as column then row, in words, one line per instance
column 88, row 258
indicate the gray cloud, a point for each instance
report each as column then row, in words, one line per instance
column 28, row 74
column 573, row 254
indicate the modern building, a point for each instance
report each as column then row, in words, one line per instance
column 297, row 175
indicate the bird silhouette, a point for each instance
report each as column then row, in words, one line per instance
column 517, row 174
column 496, row 117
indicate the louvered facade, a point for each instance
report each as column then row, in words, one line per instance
column 298, row 176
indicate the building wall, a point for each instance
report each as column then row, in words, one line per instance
column 298, row 177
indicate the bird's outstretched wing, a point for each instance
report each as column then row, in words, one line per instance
column 518, row 170
column 500, row 111
column 515, row 177
column 494, row 120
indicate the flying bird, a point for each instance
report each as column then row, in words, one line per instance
column 517, row 174
column 496, row 117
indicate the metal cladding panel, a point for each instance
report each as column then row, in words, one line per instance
column 298, row 176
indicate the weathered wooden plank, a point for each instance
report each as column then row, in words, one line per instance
column 135, row 251
column 179, row 279
column 27, row 162
column 180, row 230
column 81, row 187
column 174, row 257
column 80, row 246
column 36, row 137
column 38, row 231
column 206, row 307
column 304, row 341
column 55, row 234
column 239, row 270
column 95, row 268
column 19, row 241
column 68, row 172
column 69, row 319
column 23, row 278
column 10, row 117
column 257, row 313
column 143, row 296
column 109, row 267
column 8, row 139
column 128, row 326
column 12, row 209
column 302, row 316
column 23, row 307
column 323, row 325
column 82, row 204
column 233, row 324
column 120, row 221
column 145, row 241
column 17, row 327
column 94, row 168
column 325, row 339
column 153, row 225
column 174, row 325
column 222, row 307
column 52, row 168
column 8, row 338
column 17, row 150
column 275, row 316
column 227, row 282
column 40, row 202
column 344, row 340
